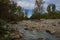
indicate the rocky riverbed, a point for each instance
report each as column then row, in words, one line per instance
column 44, row 29
column 44, row 24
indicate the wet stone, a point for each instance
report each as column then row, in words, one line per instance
column 46, row 39
column 40, row 39
column 26, row 29
column 48, row 31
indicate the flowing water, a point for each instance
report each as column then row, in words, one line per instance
column 34, row 34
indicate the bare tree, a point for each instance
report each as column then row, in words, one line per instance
column 39, row 5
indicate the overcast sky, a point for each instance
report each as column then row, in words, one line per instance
column 29, row 4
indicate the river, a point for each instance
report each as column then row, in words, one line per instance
column 32, row 34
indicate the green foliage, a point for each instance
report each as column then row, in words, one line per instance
column 9, row 11
column 26, row 15
column 3, row 31
column 6, row 9
column 51, row 13
column 21, row 16
column 3, row 8
column 19, row 8
column 53, row 7
column 48, row 8
column 44, row 16
column 20, row 13
column 35, row 14
column 12, row 7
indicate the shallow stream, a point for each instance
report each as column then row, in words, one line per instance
column 35, row 35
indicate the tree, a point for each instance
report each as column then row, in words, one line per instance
column 7, row 8
column 21, row 17
column 12, row 7
column 4, row 8
column 26, row 14
column 38, row 9
column 51, row 8
column 51, row 11
column 35, row 14
column 19, row 10
column 39, row 5
column 48, row 8
column 20, row 13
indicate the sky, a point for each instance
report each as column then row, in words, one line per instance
column 30, row 4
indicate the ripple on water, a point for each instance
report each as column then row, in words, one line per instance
column 34, row 34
